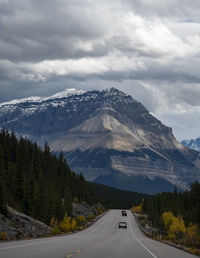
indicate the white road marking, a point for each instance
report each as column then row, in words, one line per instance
column 42, row 241
column 140, row 241
column 16, row 246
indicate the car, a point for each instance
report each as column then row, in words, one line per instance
column 124, row 213
column 122, row 224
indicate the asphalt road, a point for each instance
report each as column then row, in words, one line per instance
column 101, row 240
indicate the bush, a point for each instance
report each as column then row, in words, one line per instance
column 65, row 224
column 68, row 224
column 91, row 217
column 73, row 224
column 137, row 209
column 177, row 229
column 81, row 220
column 55, row 230
column 167, row 218
column 174, row 226
column 192, row 235
column 3, row 236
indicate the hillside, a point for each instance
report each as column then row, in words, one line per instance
column 113, row 198
column 108, row 136
column 36, row 182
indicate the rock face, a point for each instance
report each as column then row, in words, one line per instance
column 192, row 144
column 108, row 136
column 83, row 208
column 18, row 225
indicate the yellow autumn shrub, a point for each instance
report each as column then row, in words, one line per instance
column 137, row 209
column 81, row 220
column 192, row 233
column 55, row 230
column 91, row 217
column 65, row 224
column 3, row 235
column 167, row 218
column 73, row 224
column 177, row 229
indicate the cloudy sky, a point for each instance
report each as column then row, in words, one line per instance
column 148, row 48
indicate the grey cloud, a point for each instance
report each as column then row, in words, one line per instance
column 173, row 9
column 46, row 30
column 154, row 70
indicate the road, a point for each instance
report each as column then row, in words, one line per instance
column 101, row 240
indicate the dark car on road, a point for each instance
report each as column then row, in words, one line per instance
column 124, row 213
column 122, row 224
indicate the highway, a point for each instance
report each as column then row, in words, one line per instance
column 101, row 240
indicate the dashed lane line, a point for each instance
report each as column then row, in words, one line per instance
column 92, row 244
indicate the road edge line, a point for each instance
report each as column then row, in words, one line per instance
column 152, row 254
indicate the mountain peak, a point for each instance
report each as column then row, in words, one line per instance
column 113, row 92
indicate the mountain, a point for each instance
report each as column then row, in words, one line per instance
column 192, row 144
column 108, row 136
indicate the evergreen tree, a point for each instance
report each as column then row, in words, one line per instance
column 3, row 207
column 36, row 181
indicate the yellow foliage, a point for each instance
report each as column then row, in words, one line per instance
column 68, row 224
column 177, row 229
column 91, row 217
column 73, row 224
column 3, row 235
column 99, row 208
column 65, row 224
column 137, row 209
column 175, row 226
column 167, row 218
column 55, row 230
column 81, row 219
column 192, row 233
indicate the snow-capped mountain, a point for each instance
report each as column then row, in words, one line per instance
column 192, row 144
column 108, row 136
column 36, row 99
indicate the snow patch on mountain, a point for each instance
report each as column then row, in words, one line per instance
column 36, row 99
column 192, row 143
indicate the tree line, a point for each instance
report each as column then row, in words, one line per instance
column 185, row 203
column 113, row 198
column 37, row 182
column 175, row 216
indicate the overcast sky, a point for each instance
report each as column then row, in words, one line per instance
column 149, row 49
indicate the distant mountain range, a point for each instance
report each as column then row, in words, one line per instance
column 192, row 144
column 108, row 136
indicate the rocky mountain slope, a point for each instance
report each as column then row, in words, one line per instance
column 107, row 135
column 192, row 144
column 16, row 225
